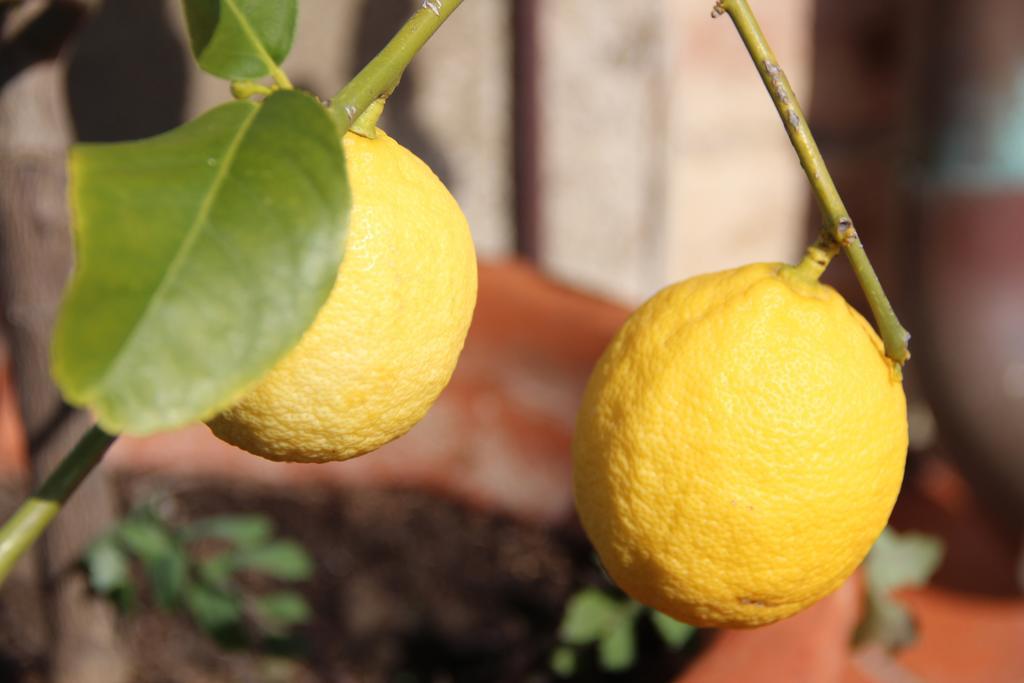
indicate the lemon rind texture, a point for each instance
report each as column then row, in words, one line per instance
column 387, row 340
column 739, row 448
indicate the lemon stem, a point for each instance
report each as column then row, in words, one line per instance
column 818, row 256
column 379, row 78
column 838, row 230
column 366, row 124
column 30, row 520
column 281, row 79
column 243, row 90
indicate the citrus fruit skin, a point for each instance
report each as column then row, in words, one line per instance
column 387, row 339
column 739, row 448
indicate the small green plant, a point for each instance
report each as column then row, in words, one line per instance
column 599, row 619
column 207, row 568
column 605, row 622
column 896, row 561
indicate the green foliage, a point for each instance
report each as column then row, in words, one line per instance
column 597, row 619
column 284, row 560
column 590, row 614
column 241, row 530
column 280, row 611
column 616, row 650
column 203, row 254
column 241, row 39
column 563, row 661
column 201, row 568
column 676, row 634
column 213, row 609
column 109, row 571
column 161, row 555
column 896, row 561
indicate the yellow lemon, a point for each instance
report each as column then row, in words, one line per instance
column 385, row 343
column 740, row 447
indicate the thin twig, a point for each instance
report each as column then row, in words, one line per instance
column 839, row 229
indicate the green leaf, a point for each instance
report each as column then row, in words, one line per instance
column 162, row 557
column 896, row 561
column 168, row 577
column 217, row 570
column 107, row 566
column 902, row 560
column 886, row 622
column 284, row 560
column 588, row 615
column 241, row 530
column 616, row 651
column 675, row 633
column 203, row 255
column 241, row 38
column 145, row 537
column 563, row 661
column 214, row 611
column 282, row 610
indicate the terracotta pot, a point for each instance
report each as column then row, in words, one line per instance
column 811, row 647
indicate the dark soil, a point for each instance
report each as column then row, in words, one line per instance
column 409, row 587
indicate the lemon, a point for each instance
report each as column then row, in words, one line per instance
column 386, row 341
column 740, row 446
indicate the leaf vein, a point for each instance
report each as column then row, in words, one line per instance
column 250, row 33
column 201, row 220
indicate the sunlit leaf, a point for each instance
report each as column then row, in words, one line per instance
column 588, row 615
column 202, row 256
column 616, row 651
column 240, row 38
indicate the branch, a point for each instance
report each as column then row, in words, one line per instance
column 379, row 78
column 36, row 513
column 838, row 230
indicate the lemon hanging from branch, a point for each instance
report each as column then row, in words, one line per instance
column 386, row 342
column 740, row 447
column 742, row 442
